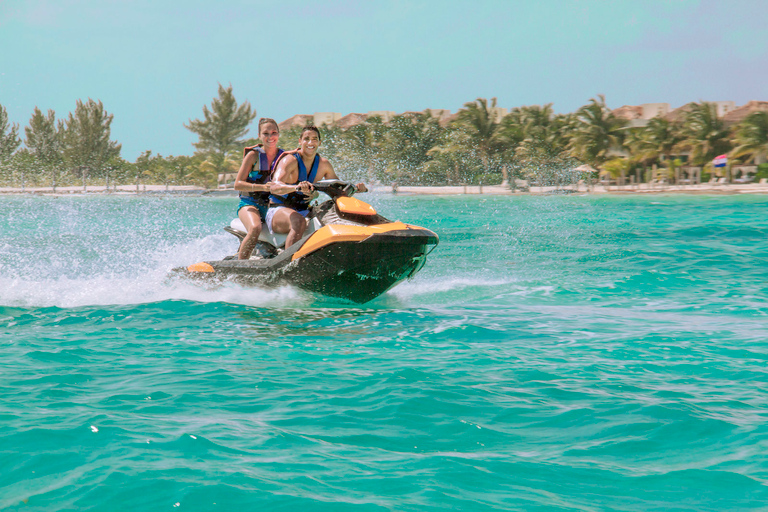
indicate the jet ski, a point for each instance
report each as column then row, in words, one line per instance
column 348, row 251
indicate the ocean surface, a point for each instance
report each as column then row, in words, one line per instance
column 555, row 353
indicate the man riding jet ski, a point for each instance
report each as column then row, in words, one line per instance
column 292, row 188
column 347, row 250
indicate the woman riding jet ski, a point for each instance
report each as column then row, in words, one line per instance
column 348, row 250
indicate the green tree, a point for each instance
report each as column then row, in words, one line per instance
column 478, row 119
column 704, row 134
column 450, row 160
column 596, row 133
column 617, row 167
column 654, row 142
column 85, row 138
column 539, row 139
column 21, row 169
column 221, row 130
column 752, row 137
column 42, row 137
column 406, row 145
column 359, row 150
column 9, row 136
column 528, row 123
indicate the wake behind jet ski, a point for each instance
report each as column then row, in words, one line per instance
column 347, row 251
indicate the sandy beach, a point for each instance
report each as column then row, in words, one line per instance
column 644, row 188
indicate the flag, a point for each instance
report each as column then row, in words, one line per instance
column 720, row 161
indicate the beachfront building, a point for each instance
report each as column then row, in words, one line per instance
column 443, row 116
column 723, row 107
column 325, row 118
column 385, row 115
column 639, row 115
column 651, row 110
column 297, row 121
column 498, row 113
column 439, row 113
column 350, row 120
column 737, row 115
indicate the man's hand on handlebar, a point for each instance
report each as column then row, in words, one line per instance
column 305, row 188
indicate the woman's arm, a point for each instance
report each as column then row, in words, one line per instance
column 242, row 174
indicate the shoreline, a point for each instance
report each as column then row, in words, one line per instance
column 491, row 190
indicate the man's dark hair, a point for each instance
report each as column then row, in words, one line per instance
column 312, row 128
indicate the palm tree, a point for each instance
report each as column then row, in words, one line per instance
column 752, row 137
column 655, row 141
column 478, row 119
column 704, row 134
column 408, row 140
column 451, row 158
column 597, row 132
column 359, row 148
column 206, row 174
column 530, row 122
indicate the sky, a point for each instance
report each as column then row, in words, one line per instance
column 155, row 63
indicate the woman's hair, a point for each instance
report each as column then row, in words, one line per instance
column 311, row 128
column 267, row 120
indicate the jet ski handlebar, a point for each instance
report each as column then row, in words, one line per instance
column 335, row 188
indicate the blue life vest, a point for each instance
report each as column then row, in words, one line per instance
column 260, row 173
column 297, row 200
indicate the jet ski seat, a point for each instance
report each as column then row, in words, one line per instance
column 237, row 228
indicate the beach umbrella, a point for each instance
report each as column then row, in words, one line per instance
column 584, row 168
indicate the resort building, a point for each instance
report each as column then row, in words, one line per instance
column 443, row 116
column 350, row 120
column 299, row 120
column 651, row 110
column 438, row 112
column 737, row 115
column 639, row 115
column 326, row 118
column 385, row 115
column 723, row 107
column 498, row 113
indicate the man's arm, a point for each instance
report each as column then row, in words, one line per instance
column 287, row 172
column 325, row 171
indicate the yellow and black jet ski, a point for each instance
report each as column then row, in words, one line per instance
column 348, row 251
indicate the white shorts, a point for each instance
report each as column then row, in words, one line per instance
column 273, row 209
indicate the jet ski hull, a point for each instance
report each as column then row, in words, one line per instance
column 354, row 270
column 361, row 271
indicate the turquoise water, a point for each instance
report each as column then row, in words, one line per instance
column 555, row 353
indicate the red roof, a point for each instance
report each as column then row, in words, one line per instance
column 737, row 115
column 299, row 120
column 350, row 120
column 628, row 112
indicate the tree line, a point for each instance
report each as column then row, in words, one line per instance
column 477, row 146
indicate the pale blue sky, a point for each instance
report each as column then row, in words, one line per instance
column 155, row 63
